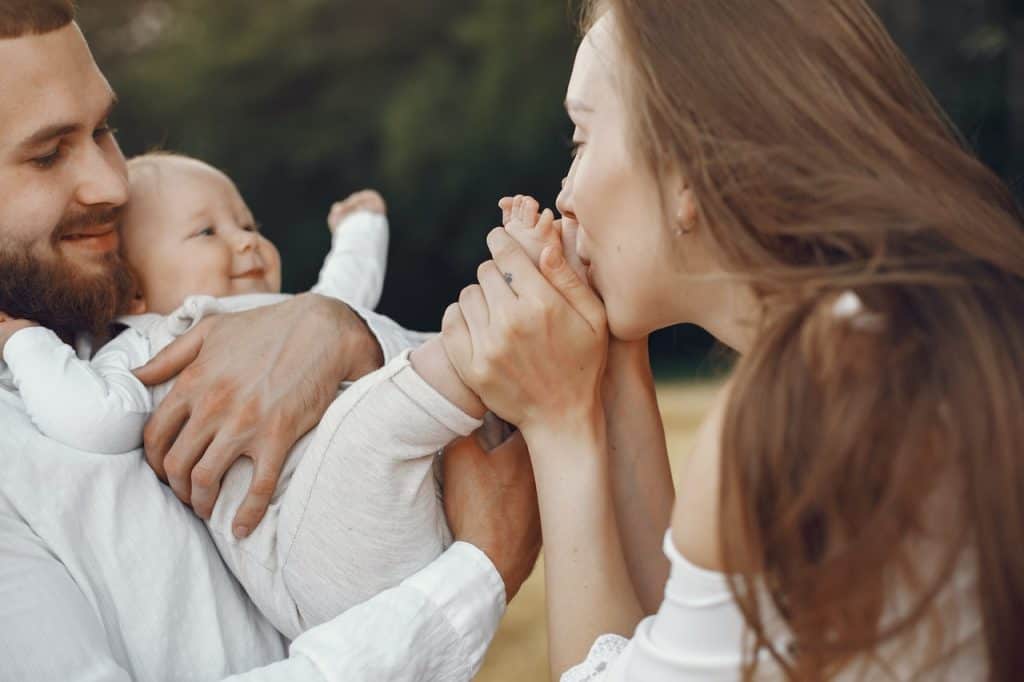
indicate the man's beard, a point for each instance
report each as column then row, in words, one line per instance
column 56, row 293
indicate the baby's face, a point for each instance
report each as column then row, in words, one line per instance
column 187, row 231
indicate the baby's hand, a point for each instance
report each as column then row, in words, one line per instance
column 534, row 233
column 9, row 325
column 366, row 200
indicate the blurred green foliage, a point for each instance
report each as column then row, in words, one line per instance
column 442, row 105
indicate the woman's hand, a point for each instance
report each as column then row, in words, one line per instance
column 530, row 343
column 251, row 384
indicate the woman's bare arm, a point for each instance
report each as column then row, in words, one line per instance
column 641, row 481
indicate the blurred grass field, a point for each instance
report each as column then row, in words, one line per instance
column 519, row 653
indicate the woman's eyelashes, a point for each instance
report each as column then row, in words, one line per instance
column 575, row 145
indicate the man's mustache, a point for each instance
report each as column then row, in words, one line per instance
column 87, row 219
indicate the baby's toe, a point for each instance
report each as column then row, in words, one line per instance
column 545, row 228
column 529, row 210
column 505, row 204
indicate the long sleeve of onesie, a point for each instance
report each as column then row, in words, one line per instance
column 355, row 267
column 95, row 406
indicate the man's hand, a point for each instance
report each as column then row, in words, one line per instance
column 491, row 502
column 250, row 385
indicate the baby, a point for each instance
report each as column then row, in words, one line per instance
column 357, row 506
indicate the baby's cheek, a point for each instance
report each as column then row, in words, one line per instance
column 272, row 258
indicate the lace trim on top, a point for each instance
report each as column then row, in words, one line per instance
column 605, row 650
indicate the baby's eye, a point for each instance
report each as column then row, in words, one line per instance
column 255, row 227
column 207, row 232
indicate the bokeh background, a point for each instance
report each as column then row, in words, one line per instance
column 445, row 106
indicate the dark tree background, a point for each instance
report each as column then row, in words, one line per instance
column 444, row 106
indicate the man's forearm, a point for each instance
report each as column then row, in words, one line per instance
column 359, row 342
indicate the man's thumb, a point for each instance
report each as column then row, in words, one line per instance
column 169, row 362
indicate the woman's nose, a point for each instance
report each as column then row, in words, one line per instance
column 564, row 202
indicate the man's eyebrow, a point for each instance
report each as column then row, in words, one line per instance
column 57, row 130
column 576, row 105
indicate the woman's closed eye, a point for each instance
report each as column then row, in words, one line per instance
column 575, row 147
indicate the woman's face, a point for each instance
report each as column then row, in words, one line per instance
column 629, row 231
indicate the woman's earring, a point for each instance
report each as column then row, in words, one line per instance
column 683, row 226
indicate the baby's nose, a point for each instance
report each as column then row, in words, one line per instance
column 246, row 241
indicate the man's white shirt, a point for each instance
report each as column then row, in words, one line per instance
column 105, row 575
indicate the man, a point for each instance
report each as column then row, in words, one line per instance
column 104, row 575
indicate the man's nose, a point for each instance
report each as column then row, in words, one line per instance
column 102, row 178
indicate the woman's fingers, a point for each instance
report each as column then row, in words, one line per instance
column 497, row 289
column 474, row 310
column 458, row 343
column 576, row 291
column 513, row 262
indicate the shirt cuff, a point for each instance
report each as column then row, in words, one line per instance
column 391, row 336
column 467, row 590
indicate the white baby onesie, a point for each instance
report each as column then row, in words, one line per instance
column 356, row 509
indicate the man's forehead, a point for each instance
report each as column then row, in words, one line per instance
column 46, row 80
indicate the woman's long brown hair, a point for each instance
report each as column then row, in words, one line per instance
column 873, row 449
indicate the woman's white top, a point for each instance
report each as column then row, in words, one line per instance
column 697, row 636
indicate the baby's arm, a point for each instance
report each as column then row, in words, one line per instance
column 96, row 406
column 354, row 269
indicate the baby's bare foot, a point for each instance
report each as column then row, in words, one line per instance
column 534, row 241
column 366, row 200
column 534, row 233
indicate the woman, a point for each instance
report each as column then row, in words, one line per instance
column 774, row 171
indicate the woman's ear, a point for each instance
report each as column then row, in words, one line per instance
column 685, row 218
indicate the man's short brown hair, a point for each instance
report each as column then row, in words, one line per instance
column 34, row 17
